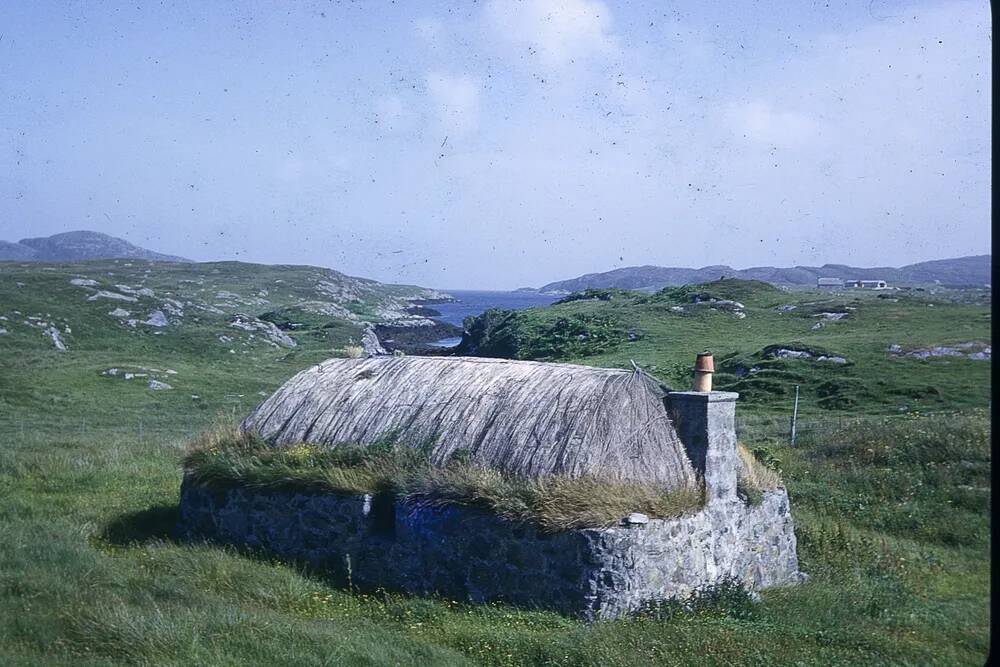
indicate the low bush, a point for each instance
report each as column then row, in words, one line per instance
column 596, row 294
column 723, row 289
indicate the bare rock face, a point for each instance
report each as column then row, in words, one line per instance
column 371, row 344
column 156, row 319
column 266, row 329
column 114, row 296
column 57, row 340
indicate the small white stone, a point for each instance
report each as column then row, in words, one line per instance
column 636, row 519
column 114, row 296
column 156, row 319
column 57, row 340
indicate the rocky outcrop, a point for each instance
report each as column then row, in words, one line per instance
column 265, row 329
column 971, row 350
column 113, row 296
column 415, row 339
column 56, row 337
column 156, row 319
column 371, row 344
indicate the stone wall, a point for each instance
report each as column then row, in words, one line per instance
column 468, row 554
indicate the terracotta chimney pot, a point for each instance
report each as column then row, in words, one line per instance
column 704, row 366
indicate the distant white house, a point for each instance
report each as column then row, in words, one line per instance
column 830, row 283
column 866, row 284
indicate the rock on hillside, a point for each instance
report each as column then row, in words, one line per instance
column 76, row 247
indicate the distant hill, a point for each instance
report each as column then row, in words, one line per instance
column 971, row 271
column 76, row 247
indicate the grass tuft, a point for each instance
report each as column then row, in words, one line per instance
column 754, row 478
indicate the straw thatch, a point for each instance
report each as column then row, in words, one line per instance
column 520, row 417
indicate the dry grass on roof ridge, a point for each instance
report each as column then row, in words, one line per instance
column 230, row 457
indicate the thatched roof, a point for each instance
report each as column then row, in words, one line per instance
column 520, row 417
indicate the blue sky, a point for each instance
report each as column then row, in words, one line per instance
column 499, row 144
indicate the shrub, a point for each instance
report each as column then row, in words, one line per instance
column 596, row 294
column 733, row 289
column 353, row 351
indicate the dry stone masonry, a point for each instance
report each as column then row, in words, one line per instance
column 468, row 554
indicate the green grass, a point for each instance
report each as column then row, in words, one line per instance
column 227, row 457
column 896, row 539
column 90, row 574
column 663, row 333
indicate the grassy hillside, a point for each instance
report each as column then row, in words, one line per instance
column 218, row 334
column 836, row 346
column 892, row 515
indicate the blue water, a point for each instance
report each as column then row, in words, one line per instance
column 472, row 302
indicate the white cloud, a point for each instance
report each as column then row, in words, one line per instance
column 557, row 31
column 456, row 98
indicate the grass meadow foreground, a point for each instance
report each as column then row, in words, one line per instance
column 892, row 518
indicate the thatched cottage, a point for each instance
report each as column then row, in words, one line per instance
column 524, row 419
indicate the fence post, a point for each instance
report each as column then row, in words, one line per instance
column 795, row 413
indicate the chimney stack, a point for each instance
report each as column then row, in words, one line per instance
column 705, row 421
